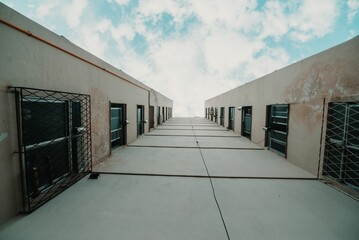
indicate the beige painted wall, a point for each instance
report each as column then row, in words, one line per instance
column 28, row 62
column 159, row 100
column 332, row 75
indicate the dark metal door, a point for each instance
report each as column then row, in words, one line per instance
column 140, row 120
column 118, row 125
column 152, row 116
column 221, row 120
column 45, row 137
column 216, row 115
column 246, row 121
column 277, row 129
column 231, row 118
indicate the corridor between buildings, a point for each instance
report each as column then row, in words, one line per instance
column 192, row 179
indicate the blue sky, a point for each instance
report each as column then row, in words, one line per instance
column 191, row 50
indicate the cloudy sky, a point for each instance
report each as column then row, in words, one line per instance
column 191, row 50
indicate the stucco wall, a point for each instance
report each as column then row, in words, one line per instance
column 28, row 62
column 332, row 75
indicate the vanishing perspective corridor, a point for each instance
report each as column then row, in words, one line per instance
column 191, row 179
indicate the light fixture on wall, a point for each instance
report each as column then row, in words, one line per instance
column 239, row 108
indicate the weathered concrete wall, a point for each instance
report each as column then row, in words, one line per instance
column 332, row 75
column 28, row 62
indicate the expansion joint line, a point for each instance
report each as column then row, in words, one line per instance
column 212, row 186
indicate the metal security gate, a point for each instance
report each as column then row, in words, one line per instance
column 341, row 156
column 277, row 128
column 54, row 141
column 246, row 121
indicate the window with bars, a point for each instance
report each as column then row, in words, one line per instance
column 54, row 141
column 341, row 155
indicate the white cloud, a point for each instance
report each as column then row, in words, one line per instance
column 46, row 8
column 270, row 60
column 353, row 6
column 274, row 21
column 225, row 51
column 227, row 43
column 74, row 11
column 313, row 19
column 103, row 25
column 122, row 2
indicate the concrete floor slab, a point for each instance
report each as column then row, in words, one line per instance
column 250, row 163
column 223, row 133
column 144, row 160
column 173, row 132
column 223, row 142
column 286, row 209
column 165, row 141
column 168, row 207
column 124, row 207
column 190, row 127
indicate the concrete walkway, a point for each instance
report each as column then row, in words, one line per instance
column 158, row 188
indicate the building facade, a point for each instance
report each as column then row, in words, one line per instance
column 62, row 110
column 307, row 112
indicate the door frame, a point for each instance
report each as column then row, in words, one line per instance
column 243, row 133
column 124, row 124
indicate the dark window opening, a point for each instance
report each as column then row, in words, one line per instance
column 55, row 139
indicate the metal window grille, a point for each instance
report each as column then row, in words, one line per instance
column 341, row 156
column 54, row 141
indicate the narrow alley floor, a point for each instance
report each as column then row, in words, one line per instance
column 191, row 179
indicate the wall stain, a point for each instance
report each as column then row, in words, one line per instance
column 330, row 81
column 100, row 126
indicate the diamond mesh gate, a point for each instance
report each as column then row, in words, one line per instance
column 54, row 141
column 341, row 156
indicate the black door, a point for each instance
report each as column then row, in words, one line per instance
column 341, row 159
column 45, row 136
column 158, row 116
column 246, row 121
column 163, row 114
column 221, row 120
column 152, row 116
column 231, row 118
column 118, row 124
column 277, row 128
column 140, row 120
column 216, row 115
